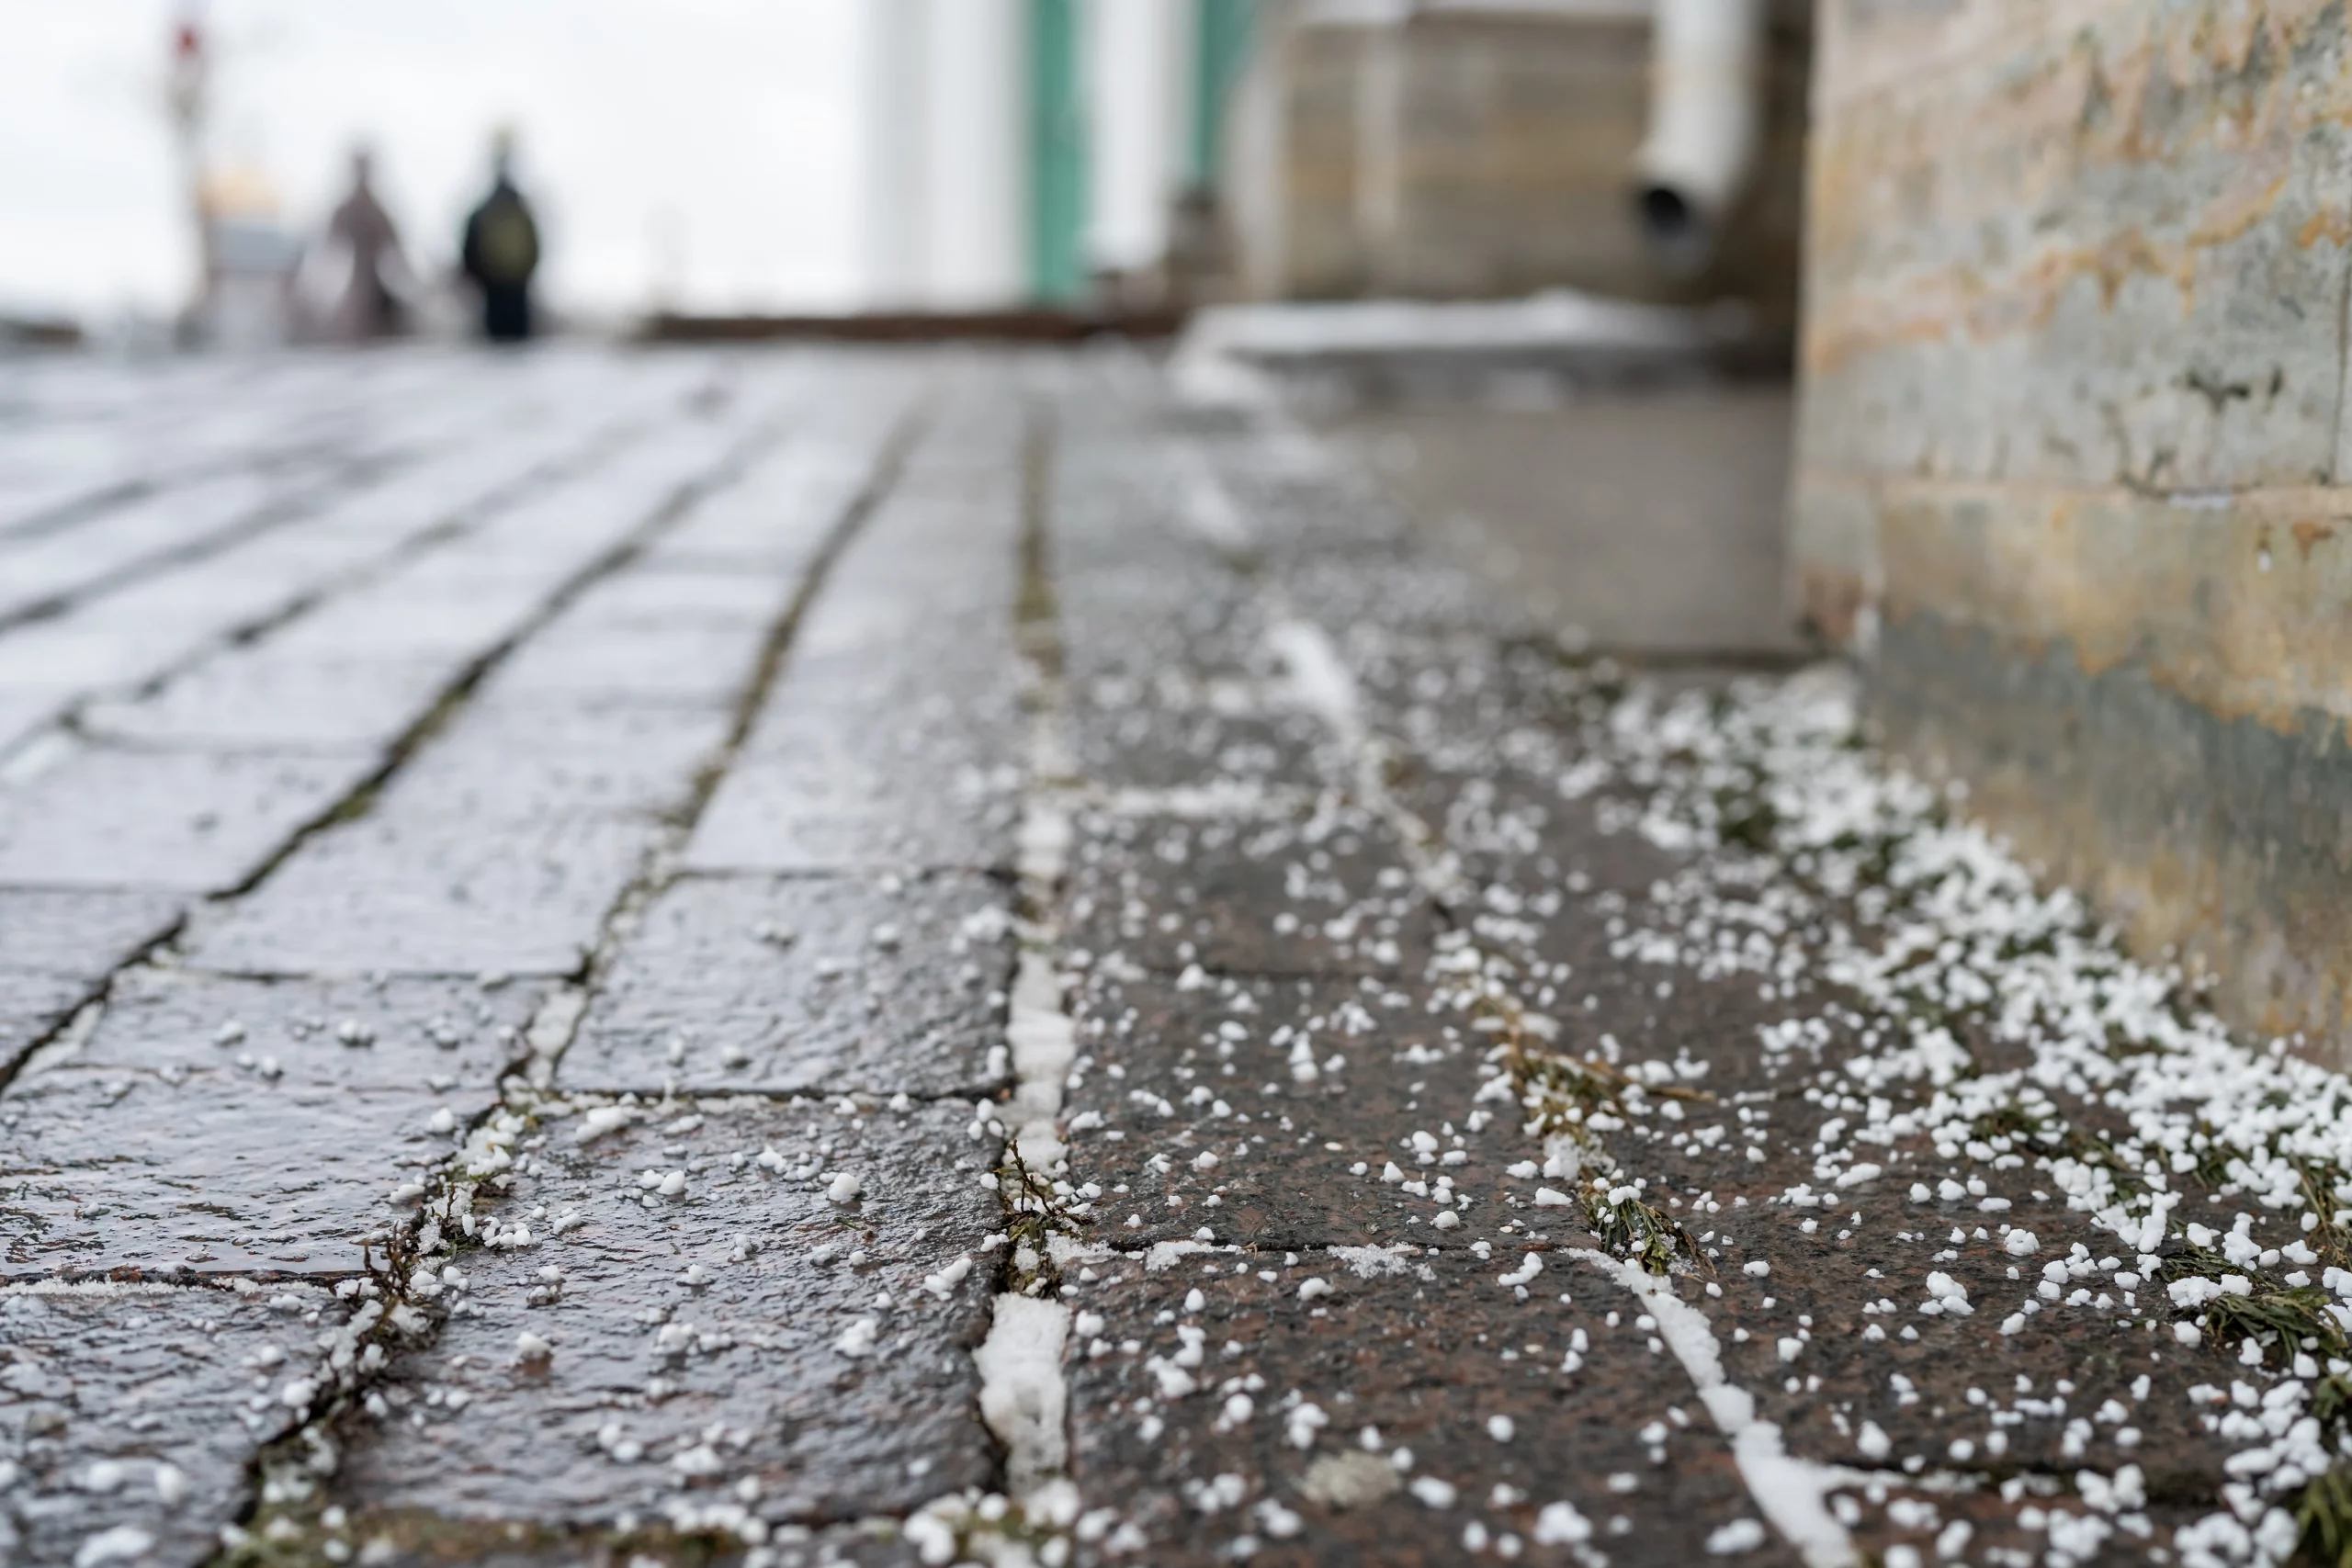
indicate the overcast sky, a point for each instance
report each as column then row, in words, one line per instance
column 720, row 134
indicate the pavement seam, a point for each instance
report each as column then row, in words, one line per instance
column 267, row 517
column 444, row 706
column 461, row 521
column 548, row 1034
column 1789, row 1492
column 459, row 691
column 657, row 871
column 1024, row 1397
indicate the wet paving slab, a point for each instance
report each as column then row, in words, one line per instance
column 224, row 1171
column 1389, row 1405
column 1289, row 1114
column 130, row 1414
column 767, row 1306
column 927, row 808
column 1223, row 743
column 1325, row 895
column 381, row 1033
column 417, row 1541
column 247, row 700
column 806, row 984
column 194, row 821
column 81, row 933
column 220, row 1126
column 57, row 948
column 422, row 896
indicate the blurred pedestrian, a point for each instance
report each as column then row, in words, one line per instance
column 369, row 304
column 501, row 250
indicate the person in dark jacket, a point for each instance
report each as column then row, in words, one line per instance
column 501, row 250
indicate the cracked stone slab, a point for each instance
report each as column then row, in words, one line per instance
column 131, row 1414
column 223, row 1171
column 195, row 821
column 726, row 1341
column 1328, row 896
column 1393, row 1353
column 804, row 984
column 58, row 945
column 33, row 1008
column 1269, row 1110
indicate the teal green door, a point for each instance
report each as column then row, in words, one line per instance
column 1220, row 50
column 1056, row 154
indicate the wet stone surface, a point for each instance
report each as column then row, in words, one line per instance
column 195, row 821
column 1175, row 736
column 1342, row 1408
column 224, row 1171
column 421, row 897
column 739, row 1337
column 792, row 984
column 1271, row 1112
column 131, row 1414
column 828, row 811
column 57, row 947
column 424, row 1541
column 1400, row 968
column 1327, row 895
column 83, row 935
column 385, row 1033
column 249, row 699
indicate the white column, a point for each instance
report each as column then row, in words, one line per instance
column 1138, row 55
column 978, row 191
column 897, row 196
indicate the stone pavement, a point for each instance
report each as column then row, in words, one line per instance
column 922, row 957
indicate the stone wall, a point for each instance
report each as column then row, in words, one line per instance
column 1471, row 154
column 2074, row 446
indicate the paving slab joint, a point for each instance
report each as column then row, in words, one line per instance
column 399, row 1295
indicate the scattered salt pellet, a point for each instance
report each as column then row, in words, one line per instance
column 1560, row 1525
column 842, row 1189
column 1740, row 1535
column 123, row 1543
column 603, row 1119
